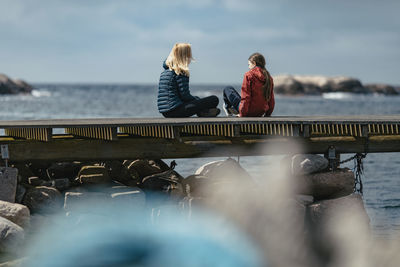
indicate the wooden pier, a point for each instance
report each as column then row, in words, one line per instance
column 131, row 138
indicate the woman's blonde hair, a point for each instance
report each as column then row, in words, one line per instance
column 180, row 58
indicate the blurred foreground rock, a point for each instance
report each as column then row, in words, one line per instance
column 11, row 237
column 17, row 213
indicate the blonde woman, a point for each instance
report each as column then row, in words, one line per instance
column 174, row 98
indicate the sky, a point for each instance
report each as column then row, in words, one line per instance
column 126, row 41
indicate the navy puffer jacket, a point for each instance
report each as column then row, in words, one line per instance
column 173, row 90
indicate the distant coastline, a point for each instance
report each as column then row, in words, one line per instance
column 285, row 84
column 318, row 85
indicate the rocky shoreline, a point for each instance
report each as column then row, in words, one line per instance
column 317, row 85
column 16, row 86
column 31, row 193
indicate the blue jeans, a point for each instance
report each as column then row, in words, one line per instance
column 231, row 98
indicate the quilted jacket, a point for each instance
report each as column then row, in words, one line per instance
column 173, row 90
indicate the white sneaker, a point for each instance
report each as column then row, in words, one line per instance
column 230, row 111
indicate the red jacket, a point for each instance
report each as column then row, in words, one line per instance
column 253, row 103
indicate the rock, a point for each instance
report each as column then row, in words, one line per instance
column 62, row 184
column 19, row 195
column 86, row 201
column 11, row 237
column 93, row 175
column 62, row 170
column 334, row 223
column 325, row 185
column 38, row 222
column 382, row 89
column 14, row 263
column 196, row 186
column 311, row 85
column 23, row 86
column 129, row 176
column 132, row 197
column 287, row 85
column 7, row 86
column 229, row 170
column 43, row 199
column 308, row 163
column 17, row 213
column 114, row 168
column 321, row 211
column 144, row 167
column 304, row 199
column 93, row 179
column 39, row 169
column 35, row 181
column 8, row 184
column 24, row 172
column 168, row 183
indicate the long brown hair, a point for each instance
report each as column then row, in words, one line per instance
column 259, row 60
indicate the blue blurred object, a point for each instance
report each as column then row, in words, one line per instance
column 131, row 238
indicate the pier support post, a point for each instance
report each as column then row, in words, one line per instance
column 333, row 157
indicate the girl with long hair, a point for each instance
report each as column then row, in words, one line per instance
column 257, row 96
column 174, row 98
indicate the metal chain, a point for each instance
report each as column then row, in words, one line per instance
column 358, row 170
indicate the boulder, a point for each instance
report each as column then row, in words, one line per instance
column 129, row 176
column 61, row 184
column 132, row 197
column 19, row 195
column 24, row 172
column 35, row 181
column 326, row 185
column 11, row 237
column 144, row 167
column 14, row 263
column 17, row 213
column 23, row 86
column 17, row 86
column 382, row 89
column 229, row 170
column 197, row 186
column 333, row 225
column 93, row 175
column 7, row 86
column 311, row 85
column 39, row 169
column 287, row 85
column 322, row 211
column 168, row 183
column 64, row 170
column 85, row 201
column 8, row 184
column 43, row 199
column 308, row 163
column 114, row 168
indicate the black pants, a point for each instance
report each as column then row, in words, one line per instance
column 231, row 98
column 193, row 107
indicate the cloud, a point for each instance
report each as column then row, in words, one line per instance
column 295, row 36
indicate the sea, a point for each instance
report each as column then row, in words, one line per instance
column 381, row 177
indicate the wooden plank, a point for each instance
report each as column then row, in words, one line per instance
column 131, row 148
column 125, row 122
